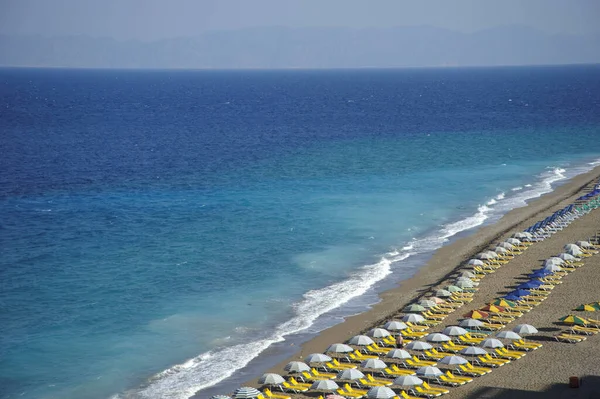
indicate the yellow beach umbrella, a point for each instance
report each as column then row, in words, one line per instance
column 586, row 308
column 571, row 319
column 476, row 314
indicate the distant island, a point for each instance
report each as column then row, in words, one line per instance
column 279, row 47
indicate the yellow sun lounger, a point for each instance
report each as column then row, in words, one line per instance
column 569, row 338
column 272, row 395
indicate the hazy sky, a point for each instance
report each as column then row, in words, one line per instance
column 154, row 19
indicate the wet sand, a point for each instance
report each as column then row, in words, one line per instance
column 540, row 369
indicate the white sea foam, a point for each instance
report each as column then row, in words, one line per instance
column 517, row 188
column 183, row 380
column 501, row 196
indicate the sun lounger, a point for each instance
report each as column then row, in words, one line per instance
column 377, row 380
column 348, row 388
column 293, row 382
column 521, row 343
column 445, row 380
column 292, row 388
column 472, row 371
column 458, row 378
column 416, row 363
column 485, row 362
column 512, row 355
column 569, row 338
column 388, row 372
column 585, row 330
column 272, row 395
column 441, row 390
column 352, row 395
column 420, row 391
column 417, row 327
column 322, row 376
column 370, row 384
column 404, row 395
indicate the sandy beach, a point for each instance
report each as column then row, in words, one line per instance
column 542, row 372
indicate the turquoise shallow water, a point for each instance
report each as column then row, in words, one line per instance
column 161, row 229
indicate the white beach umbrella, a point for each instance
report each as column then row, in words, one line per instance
column 486, row 256
column 453, row 288
column 513, row 241
column 398, row 354
column 501, row 250
column 452, row 360
column 379, row 332
column 443, row 293
column 584, row 244
column 475, row 262
column 553, row 268
column 454, row 331
column 246, row 393
column 419, row 346
column 271, row 379
column 491, row 343
column 465, row 284
column 220, row 397
column 339, row 348
column 567, row 257
column 553, row 261
column 505, row 245
column 361, row 340
column 437, row 337
column 373, row 364
column 570, row 247
column 471, row 323
column 522, row 234
column 468, row 280
column 381, row 393
column 429, row 372
column 414, row 308
column 574, row 251
column 324, row 385
column 395, row 325
column 317, row 358
column 427, row 303
column 525, row 329
column 473, row 351
column 408, row 381
column 296, row 367
column 468, row 274
column 350, row 374
column 413, row 318
column 508, row 335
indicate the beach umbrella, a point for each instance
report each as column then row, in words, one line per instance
column 436, row 300
column 508, row 335
column 573, row 249
column 472, row 351
column 271, row 379
column 522, row 234
column 361, row 340
column 461, row 278
column 296, row 367
column 476, row 314
column 525, row 329
column 454, row 331
column 453, row 288
column 324, row 385
column 530, row 284
column 437, row 337
column 520, row 292
column 429, row 372
column 452, row 360
column 553, row 268
column 491, row 343
column 246, row 393
column 373, row 364
column 504, row 303
column 595, row 304
column 339, row 348
column 488, row 255
column 584, row 244
column 408, row 381
column 513, row 241
column 553, row 261
column 475, row 262
column 571, row 320
column 465, row 284
column 413, row 318
column 468, row 274
column 540, row 273
column 317, row 358
column 470, row 323
column 398, row 354
column 501, row 250
column 505, row 245
column 379, row 332
column 567, row 257
column 427, row 303
column 350, row 374
column 220, row 397
column 443, row 293
column 512, row 297
column 334, row 396
column 380, row 393
column 419, row 346
column 414, row 308
column 395, row 325
column 492, row 308
column 586, row 308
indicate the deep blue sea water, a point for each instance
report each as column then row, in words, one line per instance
column 160, row 229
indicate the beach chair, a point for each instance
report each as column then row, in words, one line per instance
column 469, row 341
column 431, row 322
column 484, row 361
column 374, row 349
column 377, row 380
column 432, row 355
column 289, row 387
column 413, row 334
column 388, row 372
column 569, row 338
column 272, row 395
column 445, row 380
column 352, row 395
column 293, row 382
column 463, row 369
column 361, row 356
column 420, row 391
column 452, row 347
column 441, row 390
column 336, row 365
column 416, row 363
column 417, row 327
column 397, row 369
column 492, row 326
column 432, row 316
column 306, row 376
column 501, row 320
column 585, row 330
column 522, row 344
column 404, row 395
column 512, row 355
column 370, row 384
column 457, row 378
column 348, row 388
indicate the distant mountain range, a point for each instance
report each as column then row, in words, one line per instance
column 278, row 47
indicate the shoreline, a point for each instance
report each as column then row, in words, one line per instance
column 444, row 262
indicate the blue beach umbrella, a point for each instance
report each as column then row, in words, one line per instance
column 511, row 297
column 520, row 292
column 540, row 273
column 530, row 284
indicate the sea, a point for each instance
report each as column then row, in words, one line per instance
column 170, row 233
